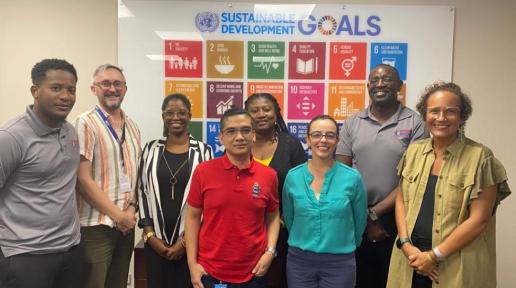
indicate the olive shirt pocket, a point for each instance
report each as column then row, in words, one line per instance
column 408, row 186
column 457, row 191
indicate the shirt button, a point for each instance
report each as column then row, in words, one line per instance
column 438, row 213
column 238, row 177
column 436, row 230
column 440, row 195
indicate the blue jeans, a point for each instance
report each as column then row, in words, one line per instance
column 306, row 269
column 256, row 282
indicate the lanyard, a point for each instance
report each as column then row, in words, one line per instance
column 113, row 132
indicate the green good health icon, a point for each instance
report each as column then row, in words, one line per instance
column 265, row 60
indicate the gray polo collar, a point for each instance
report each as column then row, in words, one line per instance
column 38, row 126
column 401, row 113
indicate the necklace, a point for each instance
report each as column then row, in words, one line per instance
column 173, row 179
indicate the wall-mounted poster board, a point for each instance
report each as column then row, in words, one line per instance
column 314, row 58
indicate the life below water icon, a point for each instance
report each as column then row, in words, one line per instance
column 218, row 146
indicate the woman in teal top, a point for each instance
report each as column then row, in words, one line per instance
column 325, row 210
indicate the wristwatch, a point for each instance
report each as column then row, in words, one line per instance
column 372, row 214
column 401, row 241
column 272, row 251
column 148, row 235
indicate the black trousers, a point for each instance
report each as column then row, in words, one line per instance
column 165, row 273
column 277, row 274
column 256, row 282
column 373, row 259
column 53, row 270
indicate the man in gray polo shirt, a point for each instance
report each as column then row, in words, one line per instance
column 373, row 141
column 39, row 158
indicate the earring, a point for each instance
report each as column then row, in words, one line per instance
column 462, row 132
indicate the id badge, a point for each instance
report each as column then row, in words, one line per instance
column 220, row 286
column 125, row 183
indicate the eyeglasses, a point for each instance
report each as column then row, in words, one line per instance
column 107, row 84
column 446, row 111
column 318, row 135
column 179, row 113
column 233, row 132
column 385, row 79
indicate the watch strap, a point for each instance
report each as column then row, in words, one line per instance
column 272, row 251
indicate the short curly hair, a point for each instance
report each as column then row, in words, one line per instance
column 465, row 103
column 40, row 69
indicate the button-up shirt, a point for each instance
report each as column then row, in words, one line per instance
column 468, row 169
column 335, row 222
column 98, row 145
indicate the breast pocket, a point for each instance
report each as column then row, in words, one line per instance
column 458, row 189
column 408, row 182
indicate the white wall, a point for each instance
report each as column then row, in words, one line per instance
column 84, row 32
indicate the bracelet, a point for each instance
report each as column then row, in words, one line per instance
column 372, row 214
column 438, row 255
column 432, row 257
column 148, row 235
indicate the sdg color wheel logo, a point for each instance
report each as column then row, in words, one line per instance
column 207, row 21
column 327, row 25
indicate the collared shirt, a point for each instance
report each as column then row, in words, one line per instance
column 98, row 146
column 377, row 148
column 234, row 203
column 38, row 172
column 468, row 168
column 334, row 223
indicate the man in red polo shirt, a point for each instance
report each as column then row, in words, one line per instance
column 237, row 197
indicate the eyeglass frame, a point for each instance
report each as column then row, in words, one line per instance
column 179, row 113
column 450, row 111
column 114, row 84
column 242, row 131
column 325, row 135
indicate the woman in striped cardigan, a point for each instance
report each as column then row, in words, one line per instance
column 164, row 177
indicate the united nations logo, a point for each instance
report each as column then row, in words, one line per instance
column 207, row 21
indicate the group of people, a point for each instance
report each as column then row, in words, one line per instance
column 379, row 204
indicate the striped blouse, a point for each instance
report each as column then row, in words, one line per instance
column 99, row 146
column 150, row 213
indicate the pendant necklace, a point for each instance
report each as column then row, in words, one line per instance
column 173, row 179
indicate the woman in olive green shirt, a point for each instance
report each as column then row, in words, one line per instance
column 449, row 189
